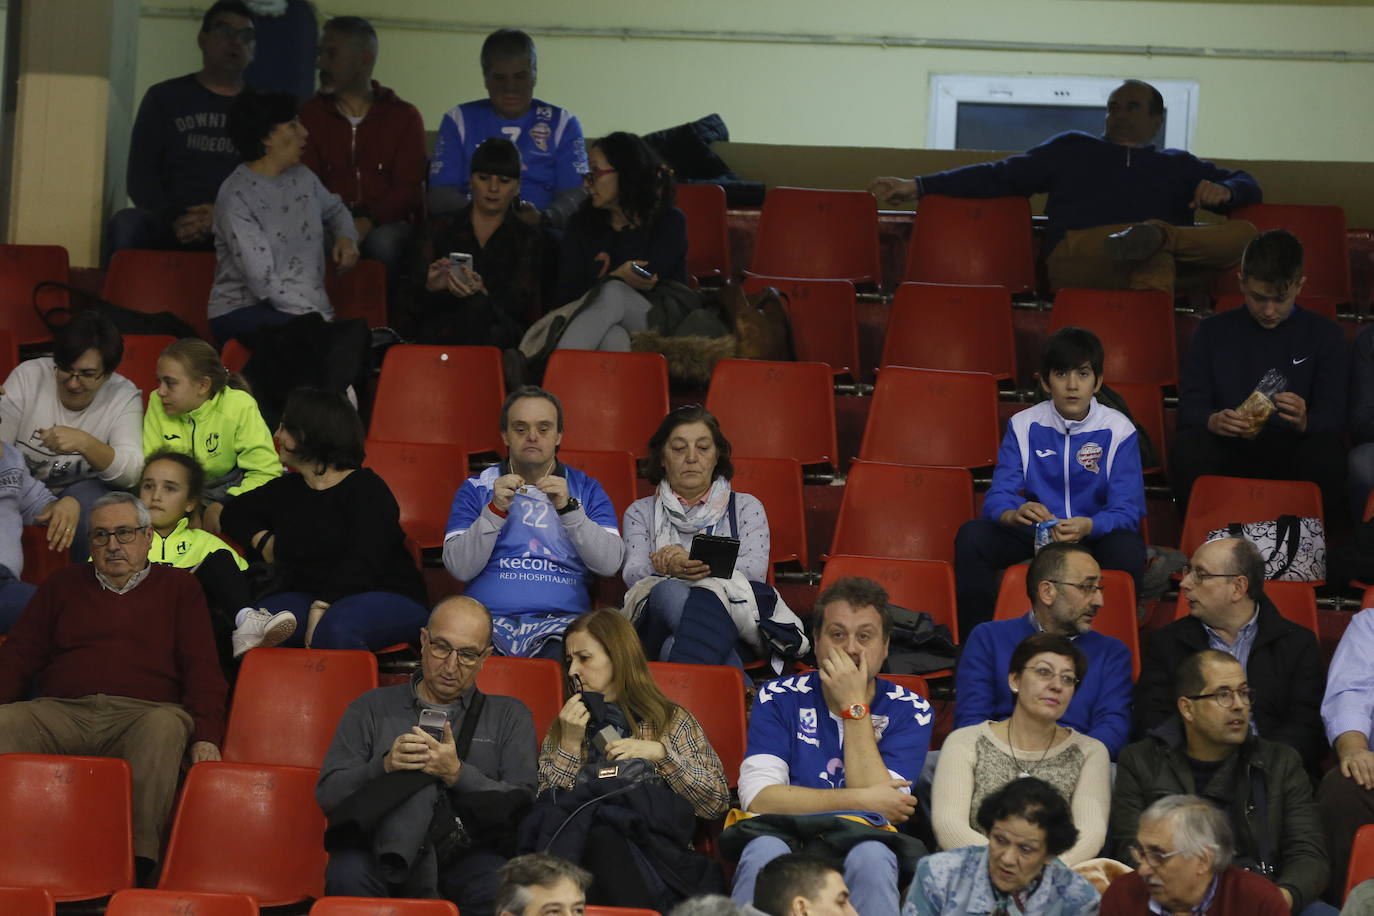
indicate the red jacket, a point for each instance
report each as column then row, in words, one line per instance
column 1239, row 893
column 379, row 167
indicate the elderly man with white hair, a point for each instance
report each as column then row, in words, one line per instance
column 1183, row 852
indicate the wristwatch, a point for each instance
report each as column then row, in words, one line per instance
column 857, row 711
column 573, row 505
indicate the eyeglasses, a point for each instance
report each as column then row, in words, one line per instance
column 100, row 537
column 225, row 30
column 1190, row 570
column 1087, row 588
column 85, row 376
column 1151, row 857
column 466, row 657
column 594, row 174
column 1047, row 674
column 1226, row 697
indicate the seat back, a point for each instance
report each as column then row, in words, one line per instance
column 612, row 402
column 776, row 410
column 163, row 281
column 1361, row 866
column 1146, row 403
column 777, row 483
column 897, row 510
column 245, row 828
column 714, row 694
column 288, row 702
column 1117, row 616
column 917, row 585
column 9, row 352
column 536, row 682
column 814, row 234
column 941, row 326
column 972, row 240
column 29, row 901
column 440, row 394
column 68, row 824
column 913, row 682
column 1216, row 502
column 358, row 293
column 1325, row 245
column 1296, row 601
column 615, row 471
column 1136, row 328
column 423, row 476
column 708, row 233
column 136, row 902
column 933, row 417
column 381, row 906
column 822, row 315
column 22, row 267
column 139, row 364
column 618, row 911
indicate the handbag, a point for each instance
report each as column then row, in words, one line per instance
column 1293, row 548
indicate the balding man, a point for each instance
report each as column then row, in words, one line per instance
column 1120, row 211
column 487, row 747
column 1223, row 587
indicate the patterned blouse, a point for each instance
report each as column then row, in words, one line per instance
column 690, row 766
column 957, row 883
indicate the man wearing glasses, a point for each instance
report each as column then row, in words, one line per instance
column 180, row 151
column 484, row 757
column 1183, row 853
column 1223, row 592
column 1207, row 750
column 127, row 666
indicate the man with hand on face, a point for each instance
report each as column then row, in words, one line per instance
column 1120, row 211
column 837, row 739
column 380, row 736
column 527, row 535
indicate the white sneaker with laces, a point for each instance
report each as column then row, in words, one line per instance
column 263, row 629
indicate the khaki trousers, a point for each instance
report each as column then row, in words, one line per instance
column 1079, row 261
column 150, row 736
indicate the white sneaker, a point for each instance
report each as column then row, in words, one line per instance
column 263, row 629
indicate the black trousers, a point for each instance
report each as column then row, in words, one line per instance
column 1273, row 455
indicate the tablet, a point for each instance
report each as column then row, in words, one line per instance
column 719, row 553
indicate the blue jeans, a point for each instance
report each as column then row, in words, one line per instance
column 870, row 871
column 14, row 595
column 368, row 620
column 243, row 322
column 135, row 228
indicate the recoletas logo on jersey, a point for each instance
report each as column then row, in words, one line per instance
column 1089, row 455
column 540, row 134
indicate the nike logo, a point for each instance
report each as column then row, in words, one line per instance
column 1044, row 452
column 169, row 438
column 1299, row 362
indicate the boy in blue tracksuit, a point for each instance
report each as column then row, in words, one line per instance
column 1068, row 458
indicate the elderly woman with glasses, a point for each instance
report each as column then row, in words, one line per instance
column 977, row 760
column 76, row 423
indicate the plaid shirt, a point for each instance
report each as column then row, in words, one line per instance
column 690, row 766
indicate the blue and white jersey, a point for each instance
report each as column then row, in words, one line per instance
column 553, row 155
column 534, row 567
column 794, row 739
column 1088, row 467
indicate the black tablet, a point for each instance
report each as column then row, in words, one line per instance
column 716, row 552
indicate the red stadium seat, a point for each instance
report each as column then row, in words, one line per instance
column 1321, row 229
column 968, row 240
column 244, row 828
column 913, row 682
column 381, row 906
column 618, row 911
column 1146, row 402
column 1322, row 305
column 1218, row 501
column 715, row 695
column 1136, row 328
column 896, row 510
column 776, row 410
column 823, row 235
column 917, row 585
column 708, row 234
column 933, row 417
column 22, row 267
column 440, row 394
column 612, row 402
column 822, row 315
column 615, row 471
column 39, row 561
column 777, row 483
column 9, row 352
column 536, row 682
column 180, row 903
column 1361, row 858
column 234, row 356
column 29, row 901
column 962, row 328
column 423, row 476
column 358, row 293
column 288, row 702
column 1117, row 616
column 139, row 364
column 1297, row 601
column 68, row 825
column 163, row 281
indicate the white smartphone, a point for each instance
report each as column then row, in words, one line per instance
column 459, row 260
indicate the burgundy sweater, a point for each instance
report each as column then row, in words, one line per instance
column 1239, row 893
column 152, row 643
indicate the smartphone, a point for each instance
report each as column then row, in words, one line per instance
column 574, row 684
column 644, row 272
column 432, row 723
column 459, row 260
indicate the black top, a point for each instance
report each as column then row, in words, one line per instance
column 180, row 151
column 509, row 265
column 330, row 543
column 591, row 249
